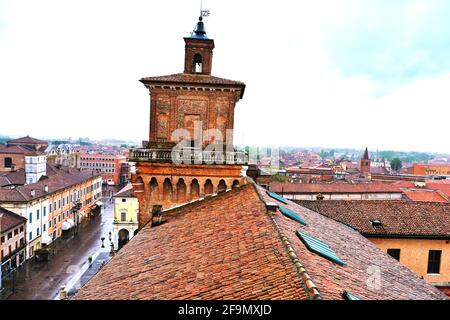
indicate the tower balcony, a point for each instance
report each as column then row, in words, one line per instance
column 188, row 156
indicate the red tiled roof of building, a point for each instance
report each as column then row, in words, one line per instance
column 9, row 220
column 333, row 188
column 126, row 192
column 58, row 180
column 18, row 150
column 398, row 218
column 231, row 247
column 27, row 140
column 425, row 195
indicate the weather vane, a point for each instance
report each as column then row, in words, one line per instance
column 203, row 13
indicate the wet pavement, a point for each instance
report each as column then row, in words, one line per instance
column 43, row 280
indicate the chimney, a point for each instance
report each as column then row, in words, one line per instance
column 33, row 193
column 46, row 188
column 271, row 207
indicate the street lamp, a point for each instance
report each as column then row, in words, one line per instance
column 103, row 239
column 110, row 236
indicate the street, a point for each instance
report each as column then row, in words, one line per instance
column 43, row 280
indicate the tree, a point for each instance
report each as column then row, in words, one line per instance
column 396, row 164
column 279, row 178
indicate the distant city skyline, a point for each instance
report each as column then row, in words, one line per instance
column 337, row 74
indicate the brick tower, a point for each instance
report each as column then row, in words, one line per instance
column 364, row 165
column 190, row 151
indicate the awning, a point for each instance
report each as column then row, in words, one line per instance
column 66, row 226
column 46, row 239
column 99, row 203
column 71, row 222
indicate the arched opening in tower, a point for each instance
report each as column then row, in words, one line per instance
column 154, row 189
column 197, row 63
column 222, row 187
column 167, row 190
column 209, row 189
column 181, row 191
column 195, row 189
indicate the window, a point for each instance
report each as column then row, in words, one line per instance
column 197, row 63
column 30, row 217
column 124, row 200
column 59, row 204
column 16, row 232
column 37, row 214
column 277, row 197
column 31, row 235
column 291, row 214
column 50, row 208
column 50, row 223
column 123, row 216
column 9, row 235
column 59, row 218
column 3, row 239
column 44, row 227
column 319, row 247
column 434, row 261
column 394, row 253
column 38, row 232
column 21, row 229
column 8, row 162
column 44, row 211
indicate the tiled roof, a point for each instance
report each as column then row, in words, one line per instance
column 333, row 187
column 398, row 218
column 231, row 247
column 18, row 150
column 27, row 140
column 126, row 192
column 425, row 195
column 57, row 179
column 194, row 79
column 9, row 220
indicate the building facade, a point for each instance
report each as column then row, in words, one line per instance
column 65, row 155
column 48, row 205
column 197, row 109
column 12, row 242
column 417, row 234
column 126, row 209
column 111, row 167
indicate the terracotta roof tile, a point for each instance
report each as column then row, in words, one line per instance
column 10, row 220
column 398, row 218
column 126, row 192
column 56, row 180
column 189, row 78
column 333, row 187
column 27, row 140
column 230, row 247
column 221, row 248
column 426, row 196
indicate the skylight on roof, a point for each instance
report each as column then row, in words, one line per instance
column 319, row 247
column 277, row 197
column 291, row 214
column 350, row 296
column 376, row 223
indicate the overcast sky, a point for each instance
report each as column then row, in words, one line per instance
column 336, row 73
